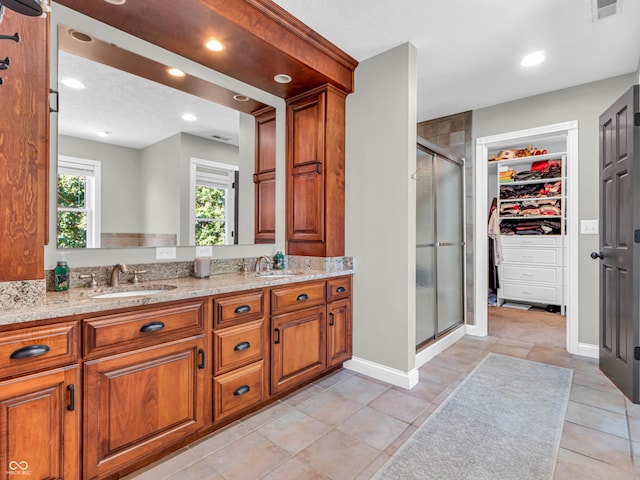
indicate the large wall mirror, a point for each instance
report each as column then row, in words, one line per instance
column 148, row 157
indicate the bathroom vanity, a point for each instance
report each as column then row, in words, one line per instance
column 111, row 384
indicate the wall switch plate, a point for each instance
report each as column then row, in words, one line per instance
column 165, row 253
column 589, row 227
column 204, row 251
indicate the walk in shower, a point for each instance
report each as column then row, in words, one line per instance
column 440, row 243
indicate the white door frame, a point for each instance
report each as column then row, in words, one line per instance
column 481, row 243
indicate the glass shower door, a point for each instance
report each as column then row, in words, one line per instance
column 439, row 244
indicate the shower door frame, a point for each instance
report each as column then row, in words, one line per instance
column 430, row 148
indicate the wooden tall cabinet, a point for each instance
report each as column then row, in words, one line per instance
column 264, row 177
column 24, row 147
column 315, row 172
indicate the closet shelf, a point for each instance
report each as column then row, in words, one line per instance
column 531, row 182
column 524, row 160
column 528, row 199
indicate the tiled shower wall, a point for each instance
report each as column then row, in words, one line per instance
column 453, row 134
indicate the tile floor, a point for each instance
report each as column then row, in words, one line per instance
column 346, row 426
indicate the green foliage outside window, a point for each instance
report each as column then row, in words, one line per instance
column 72, row 220
column 210, row 216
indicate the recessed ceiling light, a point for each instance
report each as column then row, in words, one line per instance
column 241, row 98
column 116, row 2
column 533, row 59
column 189, row 117
column 72, row 83
column 176, row 72
column 214, row 45
column 103, row 133
column 282, row 78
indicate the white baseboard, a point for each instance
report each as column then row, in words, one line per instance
column 423, row 356
column 383, row 373
column 475, row 331
column 589, row 350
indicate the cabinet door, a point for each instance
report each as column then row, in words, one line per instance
column 140, row 402
column 305, row 191
column 338, row 332
column 265, row 176
column 40, row 426
column 298, row 347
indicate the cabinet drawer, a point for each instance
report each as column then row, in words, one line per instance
column 122, row 331
column 549, row 256
column 35, row 348
column 288, row 299
column 239, row 345
column 531, row 293
column 548, row 275
column 238, row 308
column 238, row 390
column 532, row 240
column 338, row 288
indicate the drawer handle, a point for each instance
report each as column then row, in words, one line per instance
column 29, row 351
column 302, row 297
column 152, row 327
column 201, row 364
column 332, row 319
column 276, row 339
column 241, row 390
column 527, row 256
column 527, row 275
column 242, row 346
column 527, row 293
column 243, row 309
column 72, row 398
column 341, row 290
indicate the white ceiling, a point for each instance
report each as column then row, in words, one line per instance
column 469, row 51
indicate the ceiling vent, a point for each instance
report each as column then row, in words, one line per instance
column 605, row 8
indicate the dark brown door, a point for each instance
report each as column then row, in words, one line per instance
column 619, row 218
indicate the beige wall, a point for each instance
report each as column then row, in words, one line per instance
column 583, row 103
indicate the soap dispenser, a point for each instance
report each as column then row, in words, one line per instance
column 61, row 276
column 278, row 261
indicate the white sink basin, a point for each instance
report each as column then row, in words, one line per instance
column 135, row 292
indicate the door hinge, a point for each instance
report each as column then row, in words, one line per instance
column 636, row 353
column 636, row 121
column 636, row 236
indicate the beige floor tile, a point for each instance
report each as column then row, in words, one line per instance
column 513, row 348
column 593, row 380
column 329, row 407
column 373, row 467
column 294, row 469
column 426, row 391
column 339, row 456
column 454, row 362
column 634, row 428
column 197, row 471
column 633, row 409
column 612, row 401
column 166, row 466
column 294, row 431
column 426, row 413
column 302, row 395
column 219, row 439
column 359, row 389
column 373, row 427
column 252, row 456
column 398, row 442
column 266, row 415
column 333, row 379
column 573, row 466
column 550, row 355
column 435, row 373
column 598, row 419
column 597, row 445
column 400, row 405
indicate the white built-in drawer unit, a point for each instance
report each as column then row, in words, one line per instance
column 532, row 269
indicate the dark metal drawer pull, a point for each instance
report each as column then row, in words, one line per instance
column 152, row 327
column 29, row 351
column 72, row 398
column 241, row 390
column 243, row 309
column 15, row 37
column 332, row 319
column 341, row 290
column 302, row 297
column 276, row 332
column 242, row 346
column 201, row 353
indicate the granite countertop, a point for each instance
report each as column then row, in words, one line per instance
column 78, row 301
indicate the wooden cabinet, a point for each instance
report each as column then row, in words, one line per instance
column 40, row 425
column 298, row 348
column 265, row 176
column 145, row 382
column 25, row 147
column 339, row 322
column 315, row 173
column 241, row 352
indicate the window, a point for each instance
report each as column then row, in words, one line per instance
column 78, row 204
column 214, row 202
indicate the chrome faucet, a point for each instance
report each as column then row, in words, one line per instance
column 259, row 263
column 115, row 274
